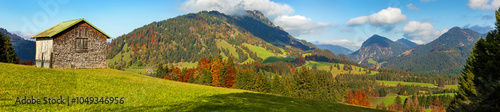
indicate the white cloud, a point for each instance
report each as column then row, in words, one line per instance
column 389, row 16
column 484, row 4
column 297, row 25
column 344, row 43
column 418, row 41
column 357, row 21
column 278, row 13
column 421, row 32
column 412, row 7
column 383, row 18
column 232, row 7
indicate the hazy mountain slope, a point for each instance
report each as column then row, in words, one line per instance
column 447, row 54
column 336, row 49
column 406, row 42
column 25, row 49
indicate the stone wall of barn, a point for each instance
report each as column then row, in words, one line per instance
column 66, row 54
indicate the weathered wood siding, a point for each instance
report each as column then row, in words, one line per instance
column 43, row 45
column 66, row 55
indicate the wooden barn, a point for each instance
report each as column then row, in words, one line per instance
column 71, row 44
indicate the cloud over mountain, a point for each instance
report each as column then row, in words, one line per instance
column 278, row 13
column 297, row 25
column 421, row 32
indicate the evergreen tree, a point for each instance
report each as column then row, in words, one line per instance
column 277, row 86
column 398, row 103
column 480, row 80
column 8, row 55
column 159, row 71
column 304, row 83
column 262, row 84
column 2, row 53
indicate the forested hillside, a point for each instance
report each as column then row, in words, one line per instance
column 445, row 55
column 189, row 37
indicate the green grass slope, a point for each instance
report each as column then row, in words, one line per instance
column 326, row 66
column 141, row 93
column 261, row 52
column 395, row 83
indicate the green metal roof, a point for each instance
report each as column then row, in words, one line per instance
column 63, row 26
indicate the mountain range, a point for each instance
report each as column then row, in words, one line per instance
column 445, row 55
column 25, row 49
column 379, row 48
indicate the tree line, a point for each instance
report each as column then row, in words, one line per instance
column 276, row 78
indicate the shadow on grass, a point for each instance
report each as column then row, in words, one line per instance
column 252, row 102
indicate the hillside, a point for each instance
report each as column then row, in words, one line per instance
column 336, row 49
column 25, row 49
column 406, row 42
column 189, row 37
column 377, row 48
column 140, row 93
column 447, row 54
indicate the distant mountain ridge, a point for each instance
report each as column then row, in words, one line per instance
column 445, row 55
column 336, row 49
column 25, row 49
column 406, row 42
column 377, row 48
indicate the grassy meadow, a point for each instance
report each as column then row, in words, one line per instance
column 140, row 93
column 389, row 99
column 326, row 66
column 261, row 52
column 395, row 83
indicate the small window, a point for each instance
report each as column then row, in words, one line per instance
column 81, row 43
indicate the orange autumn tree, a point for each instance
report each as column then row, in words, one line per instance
column 437, row 106
column 362, row 98
column 229, row 79
column 358, row 98
column 230, row 74
column 188, row 75
column 215, row 70
column 349, row 98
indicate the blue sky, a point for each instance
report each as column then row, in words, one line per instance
column 341, row 22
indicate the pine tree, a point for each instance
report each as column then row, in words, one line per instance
column 304, row 83
column 8, row 55
column 397, row 103
column 480, row 80
column 2, row 53
column 262, row 84
column 277, row 85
